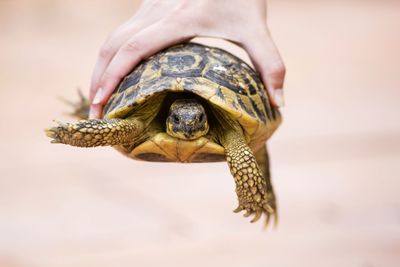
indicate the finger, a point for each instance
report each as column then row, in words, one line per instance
column 113, row 43
column 107, row 52
column 95, row 112
column 148, row 13
column 267, row 60
column 144, row 44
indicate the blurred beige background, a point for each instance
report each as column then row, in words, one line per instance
column 335, row 159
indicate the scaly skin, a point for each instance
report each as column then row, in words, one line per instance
column 94, row 132
column 263, row 163
column 251, row 172
column 254, row 193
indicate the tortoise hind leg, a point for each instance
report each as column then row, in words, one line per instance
column 95, row 132
column 263, row 162
column 251, row 187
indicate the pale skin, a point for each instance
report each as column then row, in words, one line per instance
column 161, row 23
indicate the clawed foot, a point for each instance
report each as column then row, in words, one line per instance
column 85, row 133
column 69, row 133
column 57, row 133
column 95, row 132
column 255, row 195
column 263, row 202
column 81, row 108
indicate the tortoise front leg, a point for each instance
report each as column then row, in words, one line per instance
column 251, row 188
column 95, row 132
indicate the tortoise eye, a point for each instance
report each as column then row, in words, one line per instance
column 201, row 118
column 176, row 119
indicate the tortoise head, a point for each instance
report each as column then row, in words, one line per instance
column 187, row 119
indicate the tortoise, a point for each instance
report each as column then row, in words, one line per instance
column 189, row 103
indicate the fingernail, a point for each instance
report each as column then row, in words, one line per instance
column 278, row 97
column 95, row 111
column 98, row 97
column 92, row 113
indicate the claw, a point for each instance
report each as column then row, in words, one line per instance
column 81, row 95
column 238, row 209
column 257, row 217
column 67, row 102
column 52, row 133
column 275, row 219
column 275, row 223
column 248, row 213
column 269, row 209
column 82, row 98
column 268, row 217
column 79, row 107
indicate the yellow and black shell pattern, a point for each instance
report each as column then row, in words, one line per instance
column 213, row 74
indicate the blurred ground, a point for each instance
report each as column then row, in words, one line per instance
column 335, row 160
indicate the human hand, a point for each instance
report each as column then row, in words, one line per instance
column 161, row 23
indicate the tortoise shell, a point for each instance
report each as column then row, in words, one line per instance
column 220, row 78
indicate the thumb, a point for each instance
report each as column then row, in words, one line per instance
column 266, row 59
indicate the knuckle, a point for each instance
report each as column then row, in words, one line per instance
column 108, row 75
column 277, row 69
column 110, row 45
column 205, row 23
column 106, row 51
column 179, row 17
column 133, row 46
